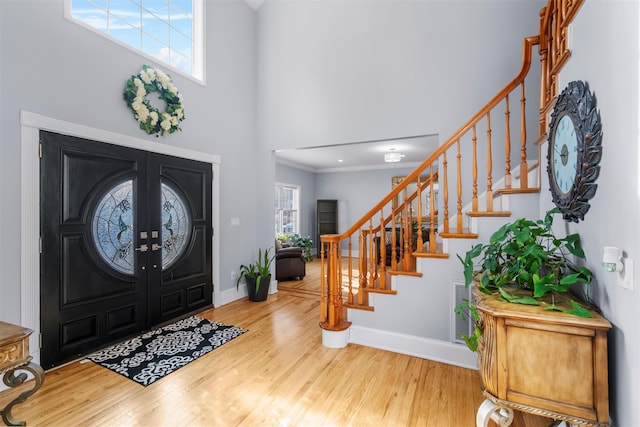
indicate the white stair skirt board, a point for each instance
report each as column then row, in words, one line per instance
column 335, row 339
column 424, row 348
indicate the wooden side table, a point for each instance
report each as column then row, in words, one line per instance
column 14, row 356
column 542, row 362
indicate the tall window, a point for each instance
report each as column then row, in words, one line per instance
column 287, row 204
column 170, row 31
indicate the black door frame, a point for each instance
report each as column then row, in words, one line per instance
column 31, row 124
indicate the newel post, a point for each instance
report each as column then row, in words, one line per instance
column 335, row 328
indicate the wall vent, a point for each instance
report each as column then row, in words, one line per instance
column 459, row 292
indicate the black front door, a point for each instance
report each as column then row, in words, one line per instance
column 126, row 243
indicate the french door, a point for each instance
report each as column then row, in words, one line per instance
column 126, row 243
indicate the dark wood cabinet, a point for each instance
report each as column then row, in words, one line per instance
column 326, row 219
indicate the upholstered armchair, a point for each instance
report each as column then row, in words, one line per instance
column 290, row 262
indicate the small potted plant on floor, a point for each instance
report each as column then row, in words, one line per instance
column 257, row 276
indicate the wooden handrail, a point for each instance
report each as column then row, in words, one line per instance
column 407, row 232
column 529, row 42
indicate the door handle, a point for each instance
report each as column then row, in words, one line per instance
column 143, row 248
column 155, row 246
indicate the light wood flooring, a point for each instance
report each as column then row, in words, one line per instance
column 276, row 374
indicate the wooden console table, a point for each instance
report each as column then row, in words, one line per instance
column 14, row 356
column 542, row 362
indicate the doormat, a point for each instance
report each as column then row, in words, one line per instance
column 155, row 354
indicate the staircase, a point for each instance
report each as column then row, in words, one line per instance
column 391, row 280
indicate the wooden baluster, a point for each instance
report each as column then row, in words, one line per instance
column 459, row 190
column 474, row 171
column 362, row 266
column 432, row 215
column 383, row 252
column 489, row 166
column 334, row 313
column 445, row 194
column 350, row 269
column 373, row 267
column 524, row 169
column 324, row 290
column 381, row 247
column 338, row 281
column 407, row 205
column 394, row 240
column 557, row 33
column 418, row 236
column 403, row 231
column 543, row 50
column 339, row 276
column 507, row 145
column 405, row 237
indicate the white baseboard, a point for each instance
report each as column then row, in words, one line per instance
column 436, row 350
column 231, row 295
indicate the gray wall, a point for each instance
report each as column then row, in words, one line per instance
column 55, row 68
column 605, row 45
column 345, row 71
column 357, row 192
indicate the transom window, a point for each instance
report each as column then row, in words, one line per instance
column 170, row 31
column 287, row 205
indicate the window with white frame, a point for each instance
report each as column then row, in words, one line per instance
column 170, row 31
column 287, row 206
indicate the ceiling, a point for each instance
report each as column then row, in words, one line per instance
column 359, row 155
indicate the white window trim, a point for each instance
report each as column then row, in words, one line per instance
column 199, row 63
column 299, row 188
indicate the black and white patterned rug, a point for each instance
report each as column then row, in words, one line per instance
column 155, row 354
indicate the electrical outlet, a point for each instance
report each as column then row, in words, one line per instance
column 233, row 275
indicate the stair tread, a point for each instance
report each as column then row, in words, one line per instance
column 463, row 235
column 404, row 273
column 516, row 191
column 358, row 307
column 381, row 291
column 430, row 255
column 489, row 213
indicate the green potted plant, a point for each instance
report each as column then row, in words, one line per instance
column 525, row 263
column 257, row 276
column 305, row 243
column 299, row 240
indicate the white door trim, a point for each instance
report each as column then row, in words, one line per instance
column 30, row 126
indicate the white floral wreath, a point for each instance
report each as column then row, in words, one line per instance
column 150, row 118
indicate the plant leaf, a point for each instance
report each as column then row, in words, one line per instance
column 578, row 310
column 552, row 307
column 526, row 300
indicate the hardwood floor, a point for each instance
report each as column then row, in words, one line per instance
column 276, row 374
